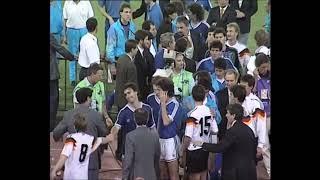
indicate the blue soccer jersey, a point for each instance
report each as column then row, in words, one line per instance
column 154, row 102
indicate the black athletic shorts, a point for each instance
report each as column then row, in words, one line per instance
column 197, row 161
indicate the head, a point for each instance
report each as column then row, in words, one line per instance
column 234, row 112
column 125, row 12
column 220, row 34
column 183, row 25
column 95, row 72
column 215, row 49
column 223, row 3
column 261, row 37
column 167, row 40
column 154, row 82
column 233, row 31
column 210, row 37
column 262, row 62
column 231, row 78
column 149, row 26
column 166, row 85
column 171, row 11
column 141, row 116
column 195, row 12
column 131, row 47
column 84, row 95
column 220, row 66
column 80, row 122
column 91, row 25
column 239, row 93
column 198, row 93
column 131, row 92
column 203, row 78
column 179, row 7
column 179, row 61
column 182, row 44
column 248, row 82
column 142, row 38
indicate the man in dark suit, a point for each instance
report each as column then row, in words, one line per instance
column 222, row 14
column 238, row 147
column 144, row 62
column 96, row 127
column 196, row 51
column 55, row 76
column 223, row 98
column 126, row 72
column 142, row 150
column 244, row 9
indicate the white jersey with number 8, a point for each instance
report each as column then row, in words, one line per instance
column 77, row 148
column 200, row 126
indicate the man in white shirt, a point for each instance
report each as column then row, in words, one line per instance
column 75, row 14
column 89, row 50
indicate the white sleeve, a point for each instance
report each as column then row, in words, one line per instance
column 261, row 127
column 190, row 124
column 67, row 149
column 65, row 13
column 90, row 10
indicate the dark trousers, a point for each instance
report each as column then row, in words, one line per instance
column 120, row 148
column 83, row 73
column 54, row 102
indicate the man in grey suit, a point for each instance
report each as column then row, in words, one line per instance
column 142, row 150
column 96, row 127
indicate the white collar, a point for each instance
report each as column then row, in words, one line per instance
column 141, row 50
column 130, row 56
column 132, row 108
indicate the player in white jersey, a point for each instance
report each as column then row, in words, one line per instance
column 201, row 126
column 75, row 153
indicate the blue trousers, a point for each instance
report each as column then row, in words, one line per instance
column 218, row 164
column 74, row 36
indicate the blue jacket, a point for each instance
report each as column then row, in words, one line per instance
column 117, row 39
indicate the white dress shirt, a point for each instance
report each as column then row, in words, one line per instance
column 77, row 14
column 89, row 51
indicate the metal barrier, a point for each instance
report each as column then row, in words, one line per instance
column 104, row 65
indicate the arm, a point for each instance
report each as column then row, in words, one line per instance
column 61, row 128
column 253, row 8
column 58, row 166
column 142, row 9
column 157, row 155
column 164, row 113
column 111, row 44
column 150, row 122
column 90, row 10
column 60, row 49
column 128, row 160
column 102, row 10
column 222, row 146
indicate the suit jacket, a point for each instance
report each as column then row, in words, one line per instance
column 228, row 16
column 223, row 101
column 249, row 8
column 126, row 72
column 142, row 154
column 96, row 127
column 145, row 69
column 238, row 150
column 54, row 48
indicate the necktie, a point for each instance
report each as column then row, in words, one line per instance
column 221, row 12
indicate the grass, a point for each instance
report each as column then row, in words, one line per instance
column 257, row 22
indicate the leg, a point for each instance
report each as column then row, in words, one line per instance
column 54, row 102
column 93, row 174
column 72, row 45
column 203, row 175
column 266, row 150
column 243, row 38
column 173, row 170
column 163, row 171
column 194, row 176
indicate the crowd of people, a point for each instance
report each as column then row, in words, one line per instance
column 192, row 101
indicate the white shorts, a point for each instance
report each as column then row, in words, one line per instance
column 169, row 149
